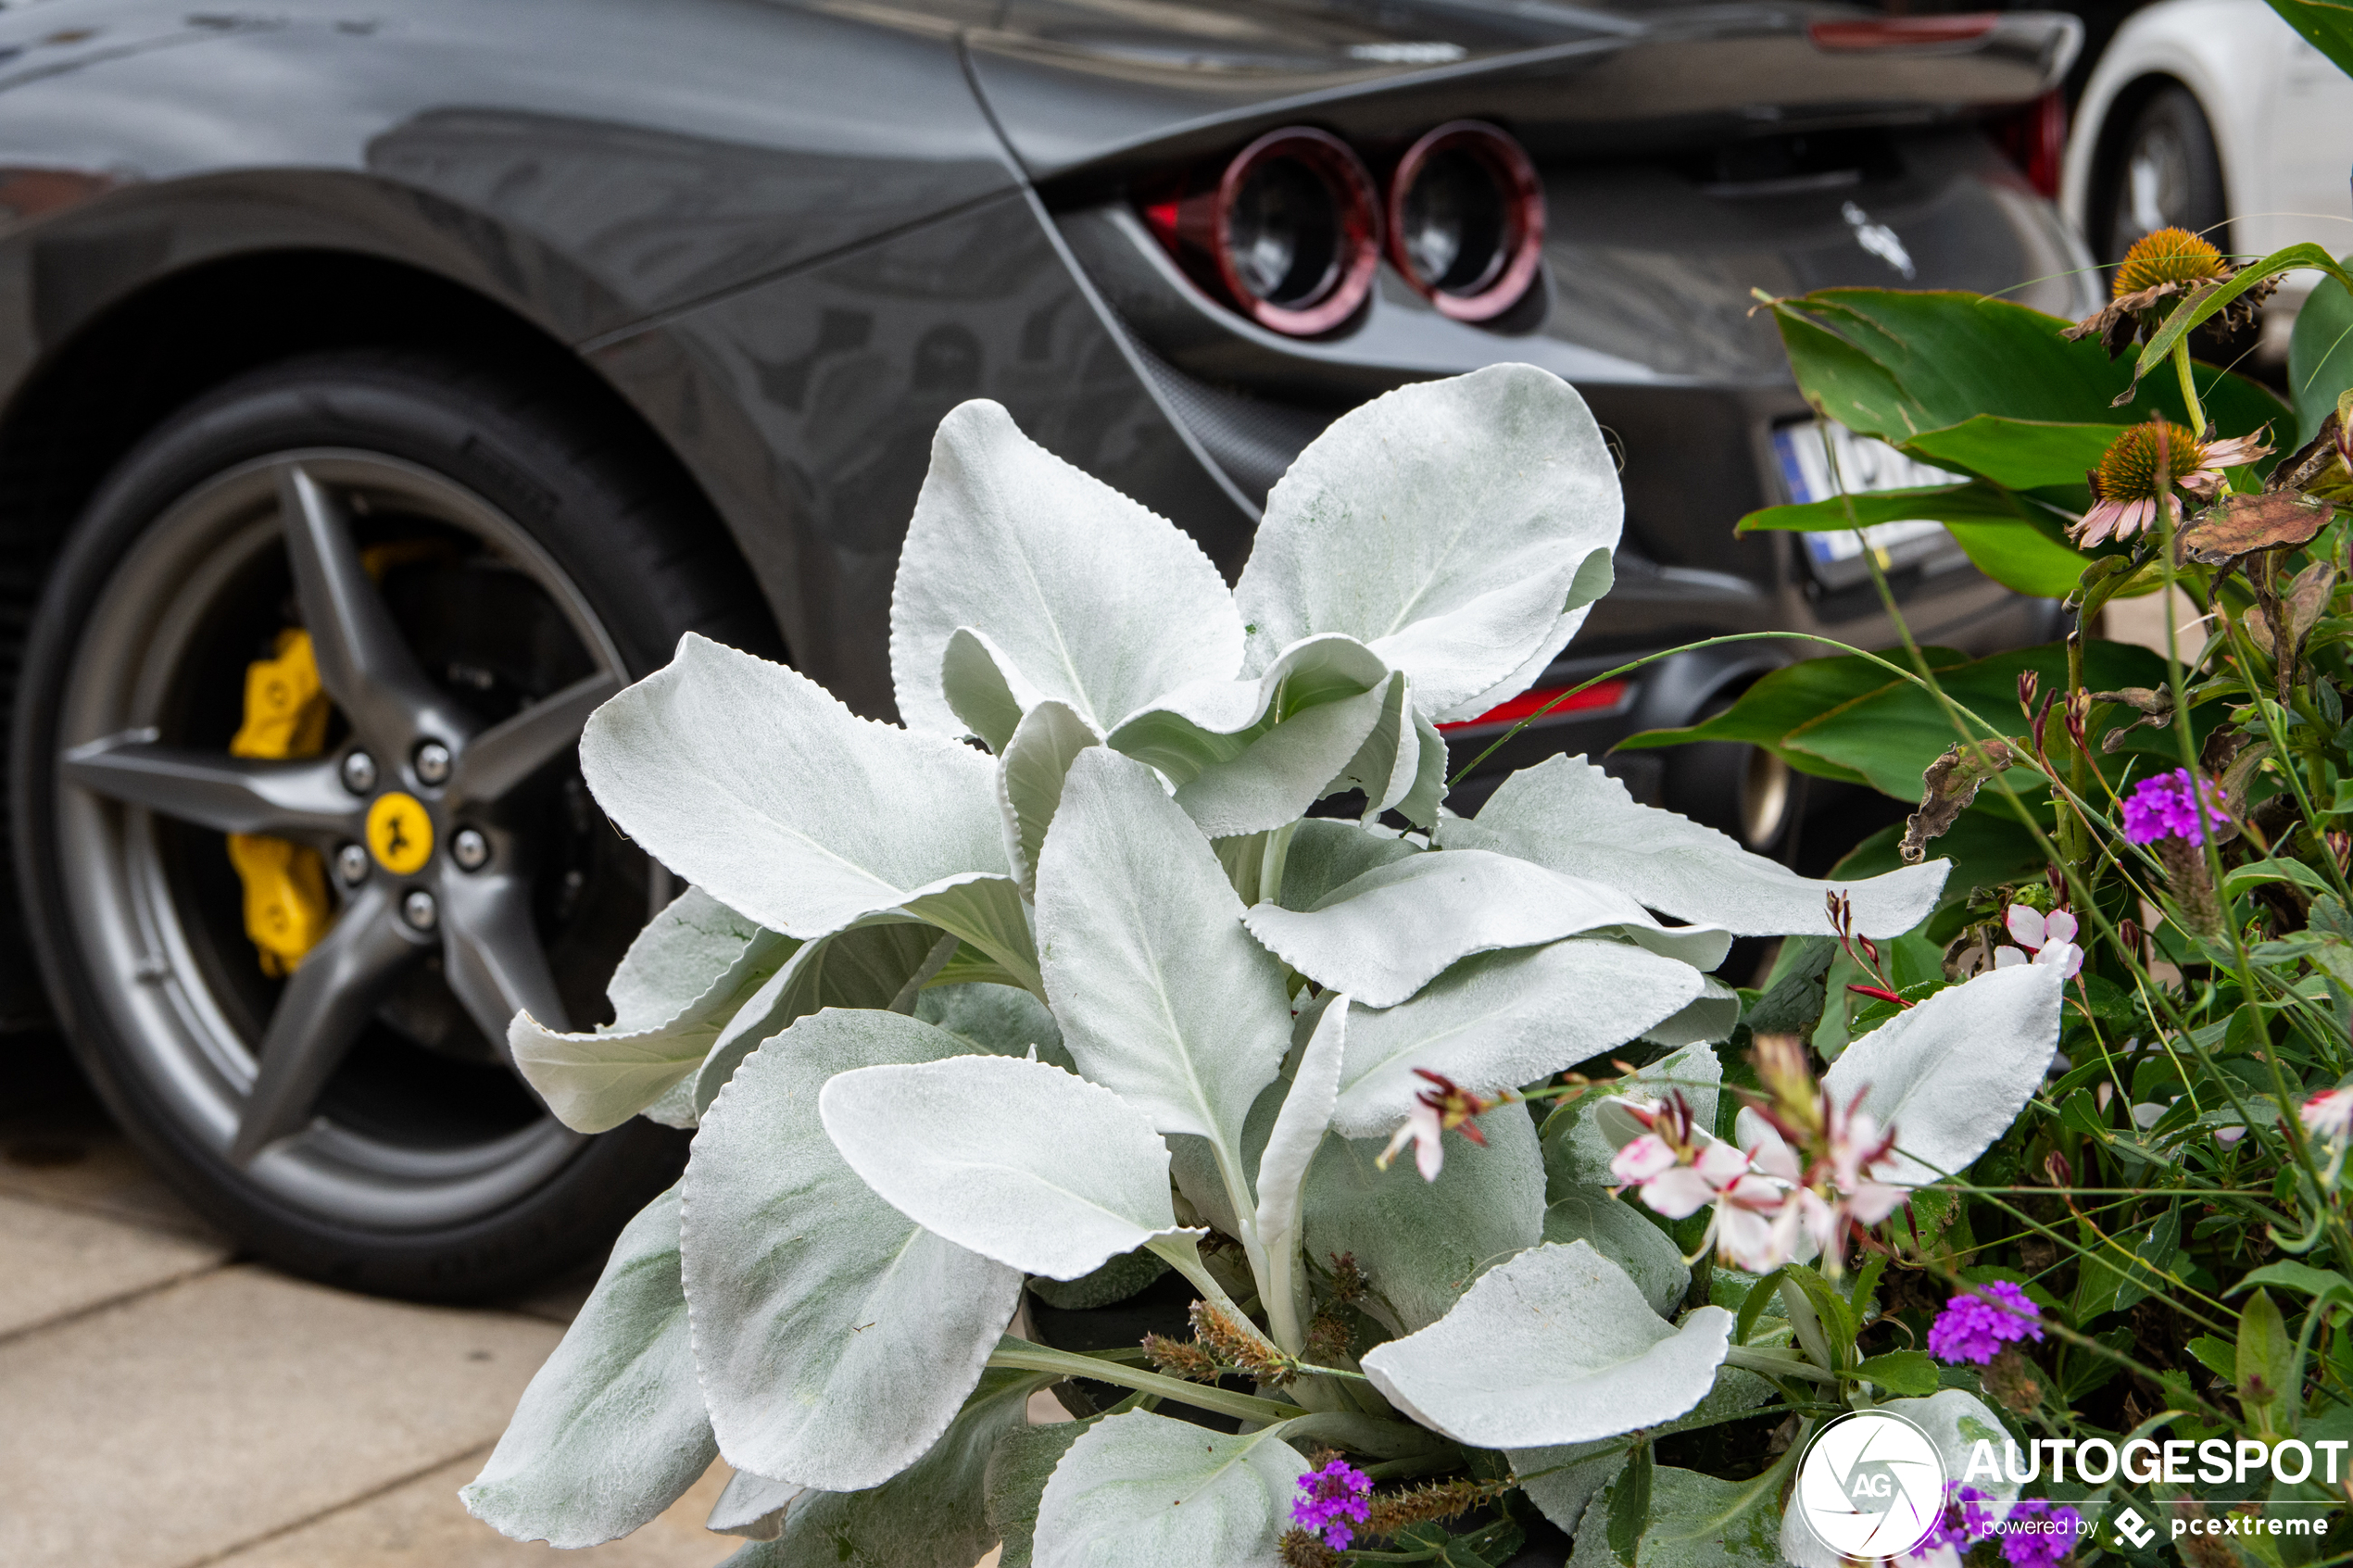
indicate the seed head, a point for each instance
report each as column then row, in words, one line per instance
column 2168, row 256
column 2129, row 470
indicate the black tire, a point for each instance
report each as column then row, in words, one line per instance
column 2164, row 171
column 644, row 561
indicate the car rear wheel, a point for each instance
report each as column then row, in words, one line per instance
column 2167, row 174
column 300, row 816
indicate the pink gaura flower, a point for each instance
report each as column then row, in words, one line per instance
column 1445, row 1105
column 2050, row 938
column 2329, row 1114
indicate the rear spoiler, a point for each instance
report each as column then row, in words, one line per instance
column 1614, row 82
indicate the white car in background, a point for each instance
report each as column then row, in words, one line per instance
column 2213, row 116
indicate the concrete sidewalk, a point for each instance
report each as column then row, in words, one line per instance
column 163, row 1405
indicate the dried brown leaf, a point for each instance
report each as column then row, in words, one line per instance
column 1950, row 783
column 2242, row 524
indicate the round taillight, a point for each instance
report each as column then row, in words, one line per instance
column 1289, row 233
column 1466, row 220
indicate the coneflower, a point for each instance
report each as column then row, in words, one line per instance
column 2145, row 467
column 2159, row 269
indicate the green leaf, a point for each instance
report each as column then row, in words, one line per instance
column 1016, row 1481
column 1385, row 935
column 1569, row 815
column 1326, row 853
column 612, row 1430
column 933, row 1514
column 1577, row 1147
column 1458, row 527
column 2319, row 1283
column 1563, row 1479
column 1952, row 1073
column 2021, row 556
column 1629, row 1505
column 694, row 968
column 1145, row 1492
column 1760, row 1297
column 2106, row 1283
column 1784, row 699
column 1695, row 1522
column 1501, row 1019
column 2324, row 25
column 2206, row 302
column 2217, row 1356
column 1833, row 1320
column 1892, row 734
column 1163, row 997
column 2265, row 1364
column 1556, row 1346
column 1489, row 1547
column 752, row 782
column 1613, row 1229
column 1900, row 363
column 833, row 1337
column 1116, row 1281
column 1036, row 756
column 2319, row 353
column 1422, row 1243
column 1901, row 1371
column 2240, row 878
column 1094, row 600
column 880, row 965
column 953, row 1145
column 994, row 1020
column 2019, row 454
column 1972, row 502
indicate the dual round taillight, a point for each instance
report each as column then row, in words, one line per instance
column 1466, row 220
column 1291, row 231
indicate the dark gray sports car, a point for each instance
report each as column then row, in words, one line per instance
column 386, row 383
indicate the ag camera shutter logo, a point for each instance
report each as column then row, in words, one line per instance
column 1871, row 1485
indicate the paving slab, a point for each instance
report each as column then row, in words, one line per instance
column 59, row 1147
column 200, row 1417
column 423, row 1524
column 61, row 1263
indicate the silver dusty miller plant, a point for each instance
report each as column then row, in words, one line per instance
column 951, row 1020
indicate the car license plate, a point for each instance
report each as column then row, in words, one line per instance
column 1865, row 464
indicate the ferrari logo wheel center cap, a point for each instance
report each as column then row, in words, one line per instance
column 399, row 833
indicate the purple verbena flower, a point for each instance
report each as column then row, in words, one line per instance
column 2165, row 806
column 2039, row 1534
column 1962, row 1522
column 1334, row 1494
column 1975, row 1324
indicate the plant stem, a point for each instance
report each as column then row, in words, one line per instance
column 1778, row 1366
column 1022, row 1356
column 1270, row 864
column 2189, row 386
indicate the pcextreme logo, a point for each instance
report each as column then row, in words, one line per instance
column 1871, row 1485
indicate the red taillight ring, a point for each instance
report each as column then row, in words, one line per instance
column 1522, row 247
column 1358, row 253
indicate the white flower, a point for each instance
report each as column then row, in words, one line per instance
column 1421, row 1127
column 2051, row 938
column 1639, row 1161
column 2329, row 1114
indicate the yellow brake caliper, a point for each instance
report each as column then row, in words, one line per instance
column 286, row 907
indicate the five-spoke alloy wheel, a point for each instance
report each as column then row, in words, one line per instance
column 429, row 589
